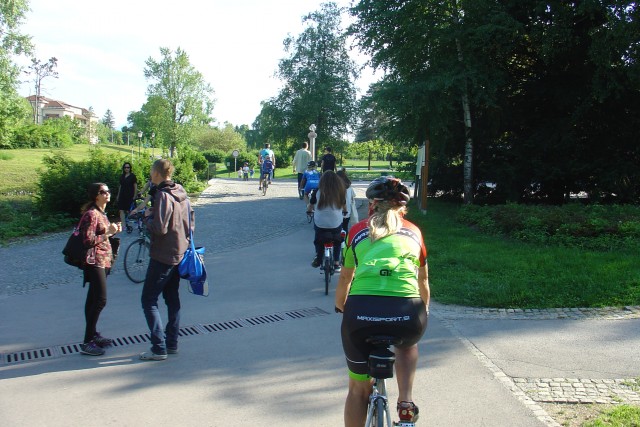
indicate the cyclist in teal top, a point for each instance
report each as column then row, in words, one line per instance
column 383, row 290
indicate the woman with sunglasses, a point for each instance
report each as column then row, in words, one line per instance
column 96, row 229
column 126, row 191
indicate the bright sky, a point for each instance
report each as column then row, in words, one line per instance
column 102, row 47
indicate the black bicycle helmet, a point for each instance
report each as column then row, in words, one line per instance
column 388, row 188
column 311, row 164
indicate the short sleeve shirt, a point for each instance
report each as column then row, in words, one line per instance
column 388, row 266
column 312, row 179
column 328, row 162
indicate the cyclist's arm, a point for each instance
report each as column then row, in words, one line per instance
column 303, row 182
column 423, row 285
column 344, row 284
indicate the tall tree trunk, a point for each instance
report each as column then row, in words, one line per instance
column 468, row 143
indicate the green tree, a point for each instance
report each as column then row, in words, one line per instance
column 109, row 121
column 551, row 88
column 318, row 78
column 39, row 71
column 12, row 43
column 181, row 99
column 226, row 139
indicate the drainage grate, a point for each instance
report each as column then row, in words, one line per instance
column 261, row 320
column 66, row 350
column 306, row 312
column 223, row 326
column 131, row 339
column 30, row 355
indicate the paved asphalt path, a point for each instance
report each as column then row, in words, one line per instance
column 264, row 348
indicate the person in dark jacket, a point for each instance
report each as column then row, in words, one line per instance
column 168, row 225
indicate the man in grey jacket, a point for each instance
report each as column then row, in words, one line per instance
column 167, row 222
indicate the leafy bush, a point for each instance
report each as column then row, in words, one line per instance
column 214, row 156
column 62, row 132
column 590, row 227
column 194, row 161
column 62, row 185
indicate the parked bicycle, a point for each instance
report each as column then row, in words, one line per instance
column 136, row 257
column 381, row 362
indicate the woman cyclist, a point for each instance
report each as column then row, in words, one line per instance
column 384, row 277
column 329, row 205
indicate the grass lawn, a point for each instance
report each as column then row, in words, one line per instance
column 621, row 416
column 474, row 269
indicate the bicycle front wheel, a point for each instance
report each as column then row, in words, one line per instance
column 136, row 260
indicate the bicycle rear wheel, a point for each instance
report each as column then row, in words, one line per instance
column 379, row 413
column 136, row 260
column 264, row 187
column 326, row 266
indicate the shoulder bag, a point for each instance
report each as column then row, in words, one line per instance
column 192, row 265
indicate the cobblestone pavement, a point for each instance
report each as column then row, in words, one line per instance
column 606, row 313
column 279, row 213
column 581, row 390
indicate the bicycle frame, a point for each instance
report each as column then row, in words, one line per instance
column 381, row 360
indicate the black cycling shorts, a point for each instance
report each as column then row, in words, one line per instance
column 364, row 316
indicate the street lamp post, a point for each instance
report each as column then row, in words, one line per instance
column 139, row 142
column 153, row 144
column 312, row 139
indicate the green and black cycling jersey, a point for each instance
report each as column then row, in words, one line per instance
column 388, row 266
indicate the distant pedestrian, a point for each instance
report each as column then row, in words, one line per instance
column 95, row 230
column 352, row 212
column 328, row 161
column 300, row 161
column 168, row 225
column 127, row 191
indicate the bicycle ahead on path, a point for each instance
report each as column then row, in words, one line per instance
column 136, row 257
column 264, row 183
column 381, row 362
column 328, row 266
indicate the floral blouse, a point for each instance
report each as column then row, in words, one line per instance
column 93, row 227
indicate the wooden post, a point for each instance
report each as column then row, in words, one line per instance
column 424, row 178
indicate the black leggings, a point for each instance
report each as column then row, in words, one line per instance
column 96, row 299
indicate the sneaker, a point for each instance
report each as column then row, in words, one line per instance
column 337, row 268
column 150, row 355
column 407, row 412
column 101, row 341
column 315, row 263
column 172, row 351
column 91, row 349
